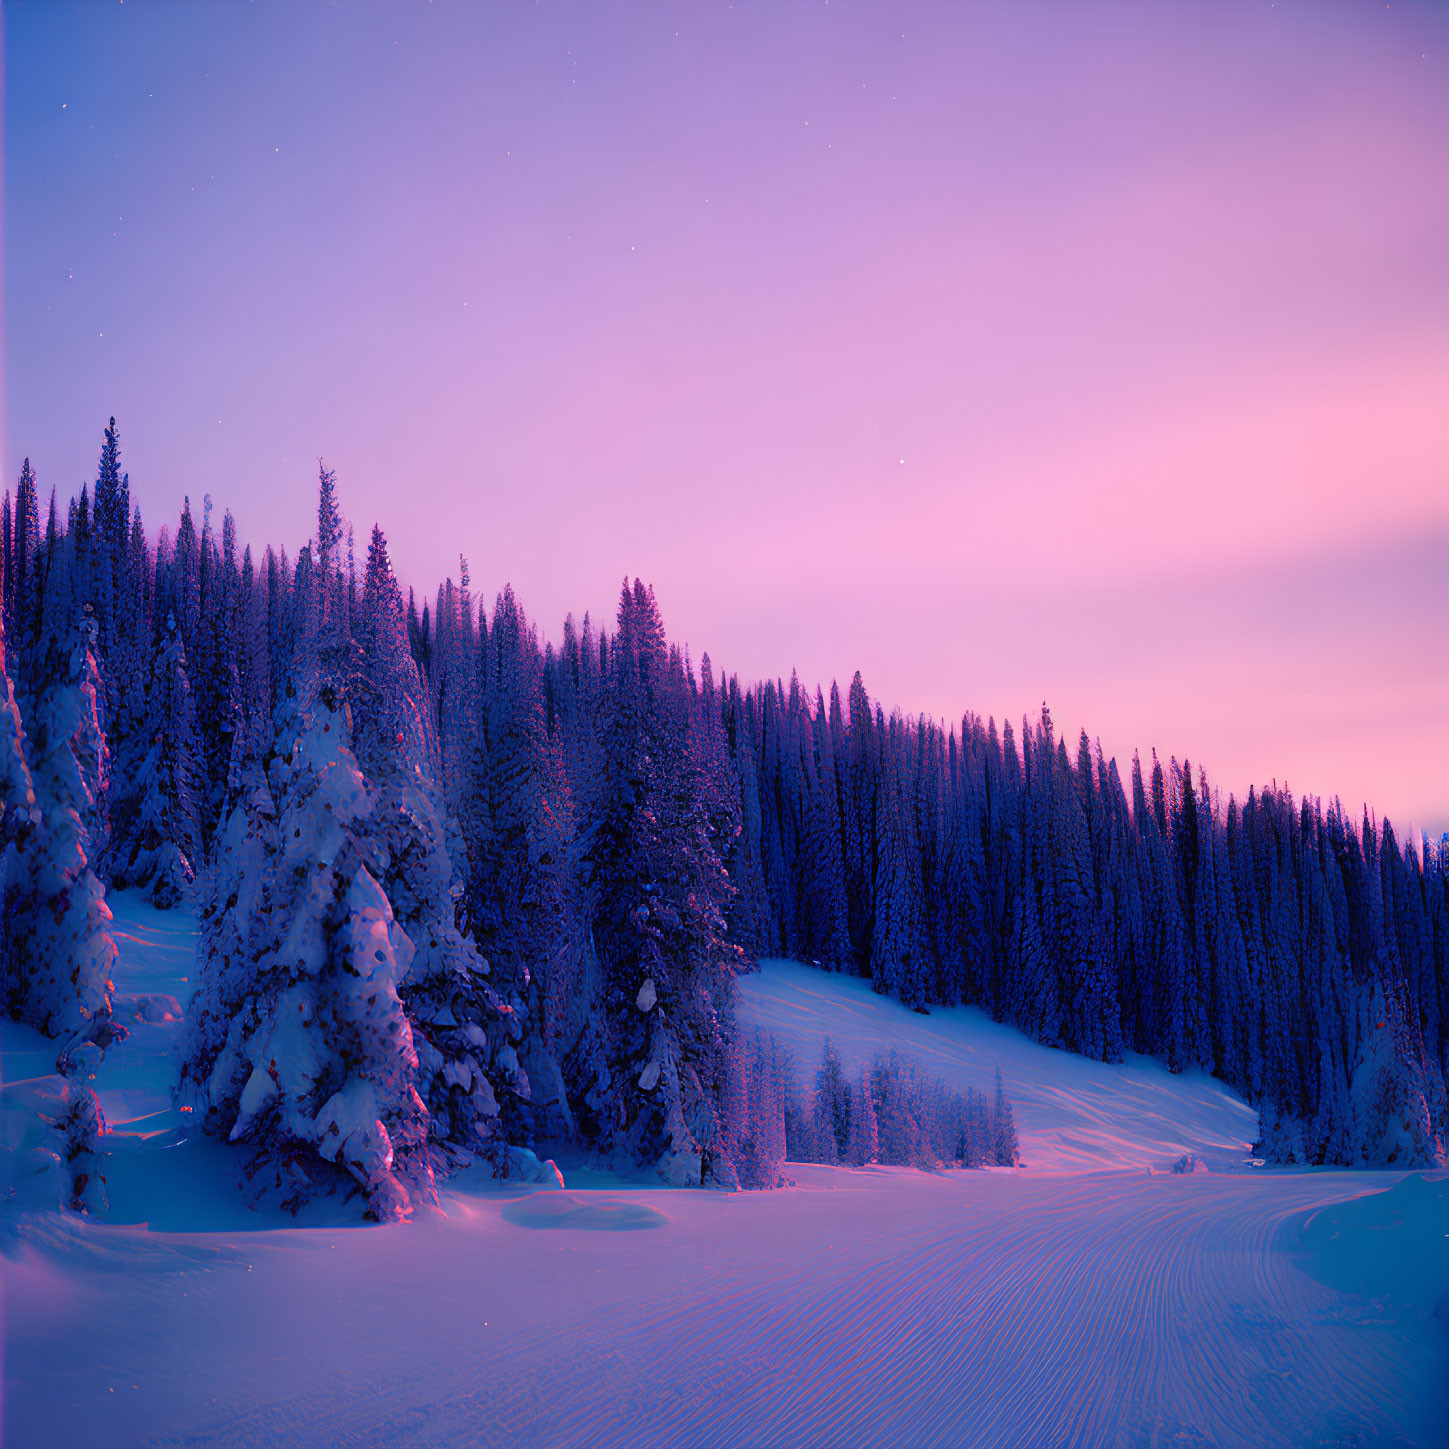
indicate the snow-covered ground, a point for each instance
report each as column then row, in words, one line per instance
column 1083, row 1301
column 1072, row 1114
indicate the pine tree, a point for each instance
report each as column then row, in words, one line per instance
column 864, row 1130
column 754, row 1111
column 54, row 951
column 827, row 925
column 60, row 948
column 113, row 494
column 749, row 912
column 470, row 1023
column 20, row 819
column 649, row 1077
column 833, row 1117
column 859, row 770
column 157, row 844
column 23, row 574
column 898, row 940
column 298, row 1043
column 520, row 891
column 1003, row 1128
column 897, row 1131
column 215, row 673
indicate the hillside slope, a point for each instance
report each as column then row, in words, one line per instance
column 1072, row 1114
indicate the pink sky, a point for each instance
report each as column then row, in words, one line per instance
column 1095, row 354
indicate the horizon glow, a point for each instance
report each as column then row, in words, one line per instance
column 1095, row 356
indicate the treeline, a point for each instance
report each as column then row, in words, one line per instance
column 464, row 894
column 459, row 896
column 1296, row 954
column 256, row 735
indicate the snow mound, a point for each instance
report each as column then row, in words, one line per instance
column 148, row 1006
column 43, row 1122
column 525, row 1166
column 1073, row 1114
column 1390, row 1247
column 566, row 1210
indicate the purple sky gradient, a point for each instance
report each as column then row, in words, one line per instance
column 1090, row 354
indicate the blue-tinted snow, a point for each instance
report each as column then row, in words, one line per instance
column 1056, row 1306
column 1072, row 1114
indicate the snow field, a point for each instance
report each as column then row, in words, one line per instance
column 1056, row 1306
column 867, row 1307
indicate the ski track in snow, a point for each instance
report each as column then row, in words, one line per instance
column 864, row 1307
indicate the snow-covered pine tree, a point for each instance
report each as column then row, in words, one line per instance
column 23, row 577
column 800, row 1139
column 718, row 783
column 1247, row 1071
column 1194, row 893
column 215, row 672
column 520, row 891
column 1004, row 1146
column 50, row 920
column 156, row 844
column 1090, row 1018
column 943, row 1113
column 864, row 1130
column 648, row 1079
column 20, row 818
column 107, row 576
column 778, row 852
column 754, row 1110
column 833, row 1116
column 898, row 1133
column 454, row 684
column 973, row 1142
column 297, row 1041
column 471, row 1024
column 1162, row 951
column 113, row 494
column 57, row 919
column 252, row 734
column 129, row 649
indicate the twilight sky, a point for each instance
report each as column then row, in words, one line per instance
column 1096, row 354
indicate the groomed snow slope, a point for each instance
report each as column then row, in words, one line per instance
column 865, row 1307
